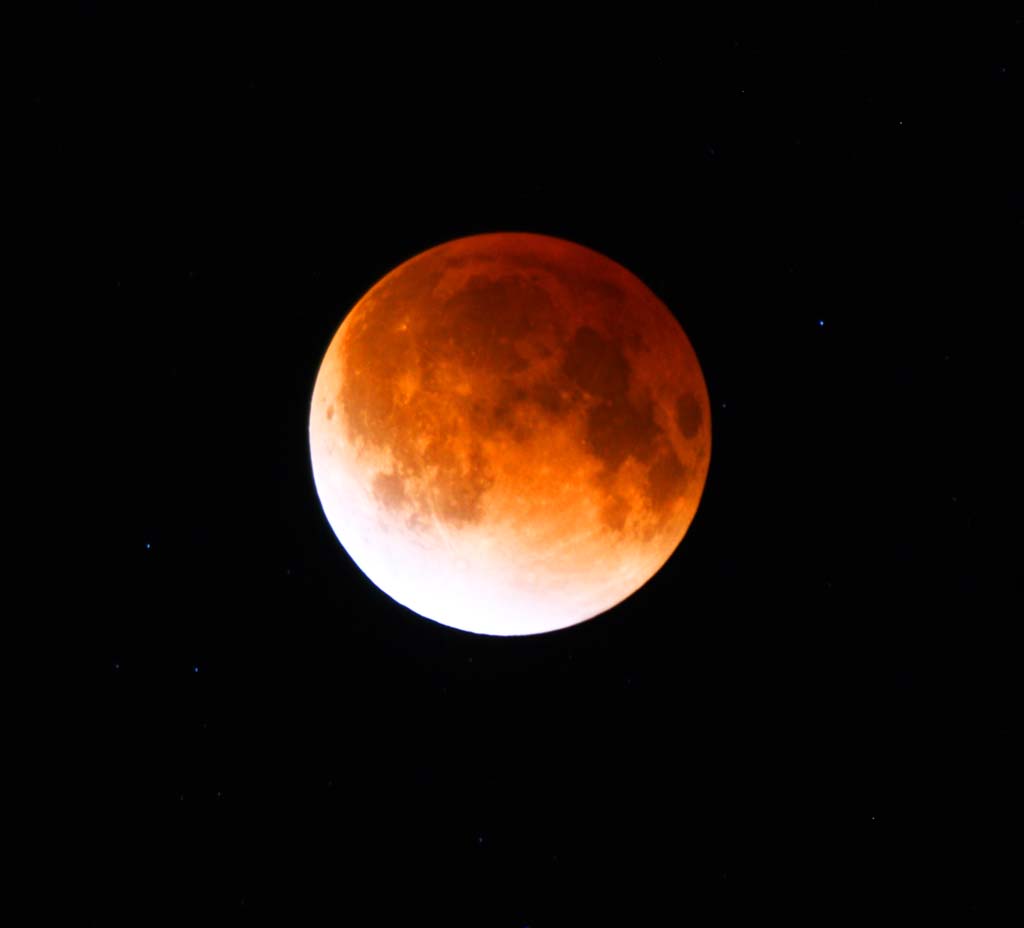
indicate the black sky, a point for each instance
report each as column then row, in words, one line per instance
column 806, row 712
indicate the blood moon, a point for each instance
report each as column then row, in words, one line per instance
column 510, row 434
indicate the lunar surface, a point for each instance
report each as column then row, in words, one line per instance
column 510, row 434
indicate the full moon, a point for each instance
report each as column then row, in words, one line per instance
column 510, row 434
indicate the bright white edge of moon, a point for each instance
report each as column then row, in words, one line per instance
column 472, row 581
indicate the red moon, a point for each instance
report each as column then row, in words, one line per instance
column 510, row 434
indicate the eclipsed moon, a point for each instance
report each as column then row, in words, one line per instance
column 510, row 434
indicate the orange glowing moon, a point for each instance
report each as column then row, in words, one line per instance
column 510, row 434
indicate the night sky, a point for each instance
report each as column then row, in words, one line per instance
column 807, row 712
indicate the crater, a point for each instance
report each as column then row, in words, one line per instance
column 458, row 482
column 596, row 364
column 389, row 490
column 550, row 398
column 617, row 429
column 483, row 321
column 614, row 513
column 666, row 480
column 689, row 415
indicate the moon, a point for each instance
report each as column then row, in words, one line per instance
column 510, row 434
